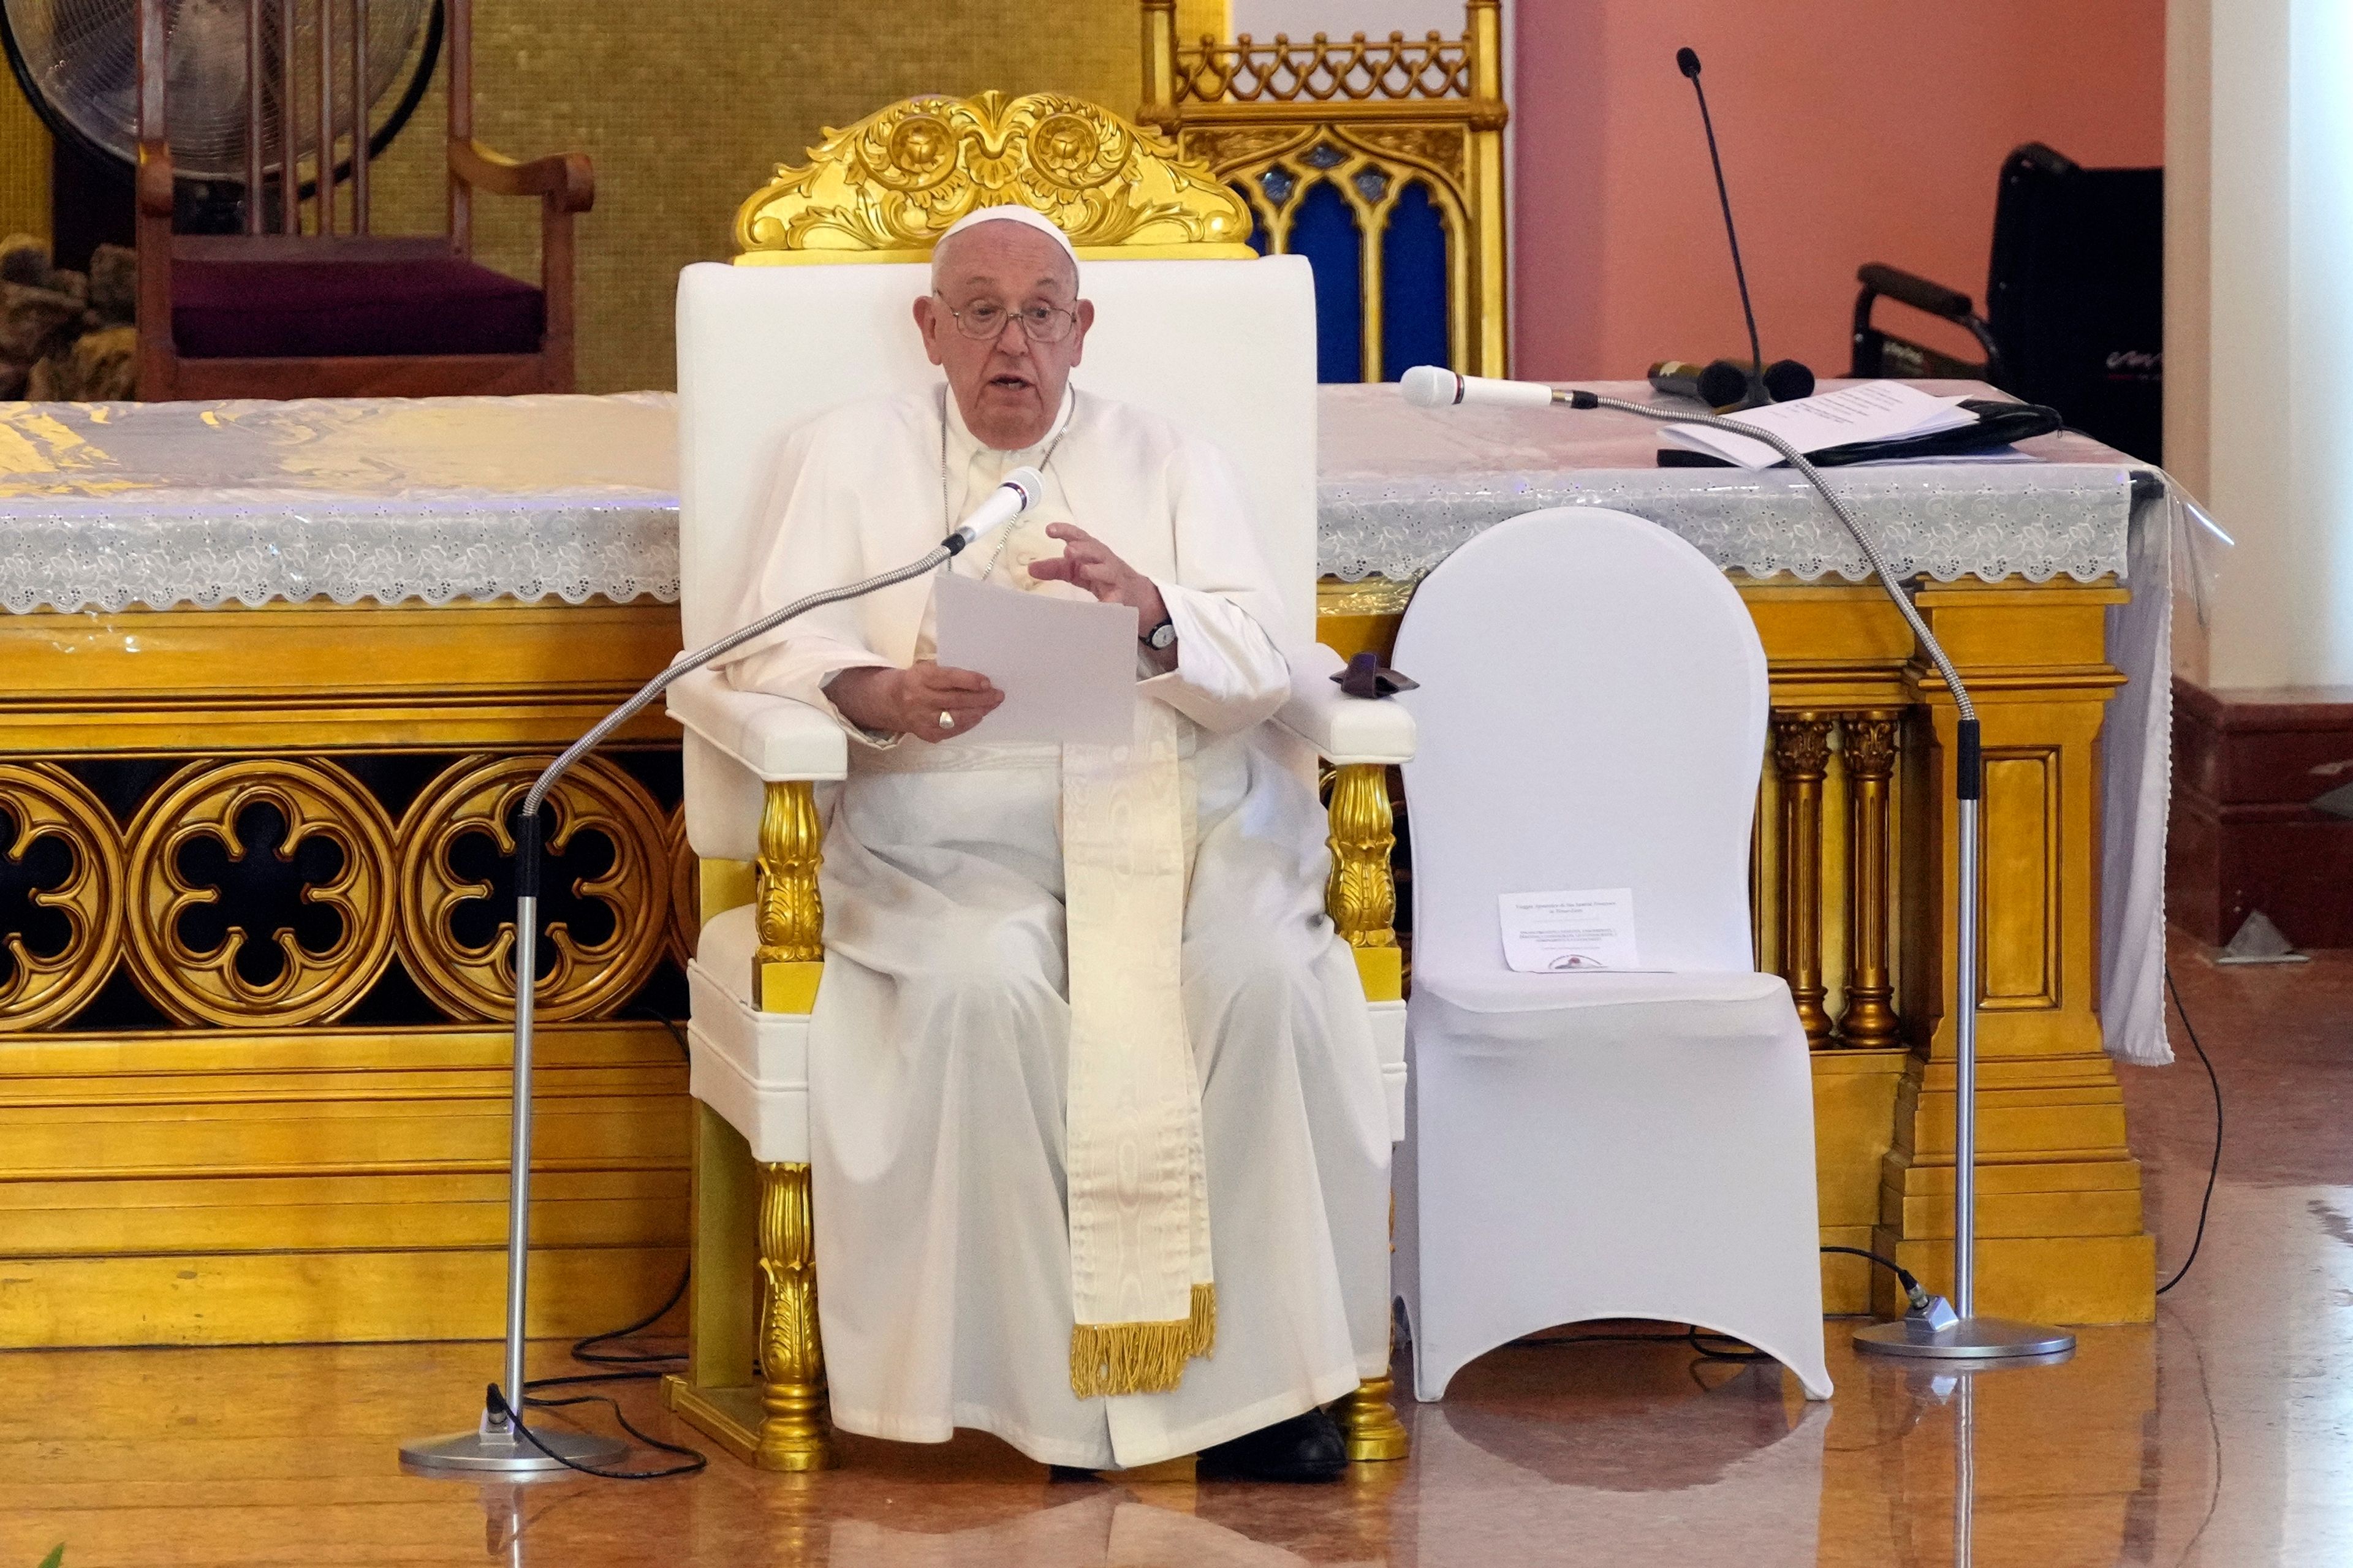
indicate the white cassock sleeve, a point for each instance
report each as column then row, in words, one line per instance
column 816, row 543
column 1229, row 675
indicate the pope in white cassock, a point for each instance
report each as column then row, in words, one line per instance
column 1090, row 1084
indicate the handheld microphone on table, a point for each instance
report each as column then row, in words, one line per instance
column 502, row 1444
column 1728, row 384
column 1967, row 1338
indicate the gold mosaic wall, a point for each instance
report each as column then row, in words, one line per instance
column 24, row 163
column 686, row 109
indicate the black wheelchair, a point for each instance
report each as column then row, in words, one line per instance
column 2074, row 300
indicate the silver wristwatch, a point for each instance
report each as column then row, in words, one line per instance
column 1162, row 638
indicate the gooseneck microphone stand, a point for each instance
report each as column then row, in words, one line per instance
column 1966, row 1337
column 500, row 1443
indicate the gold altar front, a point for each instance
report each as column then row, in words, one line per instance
column 219, row 1161
column 271, row 1178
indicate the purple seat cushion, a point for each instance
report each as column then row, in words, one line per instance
column 315, row 309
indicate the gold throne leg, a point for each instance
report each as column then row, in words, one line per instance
column 1361, row 897
column 796, row 1432
column 1370, row 1422
column 756, row 1375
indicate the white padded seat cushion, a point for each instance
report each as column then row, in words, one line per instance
column 767, row 1051
column 751, row 1067
column 724, row 952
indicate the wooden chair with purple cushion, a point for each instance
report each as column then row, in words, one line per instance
column 323, row 314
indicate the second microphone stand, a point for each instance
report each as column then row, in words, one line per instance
column 500, row 1443
column 1960, row 1335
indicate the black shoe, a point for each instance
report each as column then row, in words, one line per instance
column 1304, row 1448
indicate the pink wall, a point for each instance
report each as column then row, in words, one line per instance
column 1852, row 131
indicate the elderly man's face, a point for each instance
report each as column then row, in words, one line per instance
column 1008, row 387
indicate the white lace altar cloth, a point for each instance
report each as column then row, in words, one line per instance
column 1403, row 487
column 104, row 506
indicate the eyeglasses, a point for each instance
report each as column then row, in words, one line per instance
column 983, row 319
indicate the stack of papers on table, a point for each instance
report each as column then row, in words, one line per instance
column 1867, row 411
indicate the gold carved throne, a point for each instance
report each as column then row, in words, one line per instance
column 1191, row 324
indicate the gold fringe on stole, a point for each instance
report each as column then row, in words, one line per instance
column 1141, row 1358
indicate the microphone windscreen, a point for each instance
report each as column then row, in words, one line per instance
column 1687, row 61
column 1786, row 381
column 1429, row 386
column 1723, row 383
column 1029, row 481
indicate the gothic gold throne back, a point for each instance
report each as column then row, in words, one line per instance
column 816, row 313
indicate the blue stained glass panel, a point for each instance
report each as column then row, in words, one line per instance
column 1258, row 240
column 1324, row 229
column 1413, row 284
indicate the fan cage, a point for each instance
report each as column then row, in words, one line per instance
column 77, row 61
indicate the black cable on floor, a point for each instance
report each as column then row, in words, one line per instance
column 1690, row 1337
column 2215, row 1168
column 695, row 1461
column 585, row 1351
column 1708, row 1353
column 1912, row 1293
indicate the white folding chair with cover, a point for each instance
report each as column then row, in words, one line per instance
column 1585, row 1145
column 1224, row 348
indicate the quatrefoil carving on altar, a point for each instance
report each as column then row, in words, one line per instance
column 260, row 893
column 60, row 895
column 605, row 904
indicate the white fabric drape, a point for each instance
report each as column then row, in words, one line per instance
column 940, row 1042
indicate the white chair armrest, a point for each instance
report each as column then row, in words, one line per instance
column 776, row 738
column 1341, row 727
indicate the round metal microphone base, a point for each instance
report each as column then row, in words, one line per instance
column 477, row 1453
column 1971, row 1339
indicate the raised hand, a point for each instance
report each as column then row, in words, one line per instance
column 1088, row 563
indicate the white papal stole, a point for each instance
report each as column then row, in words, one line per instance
column 1145, row 1298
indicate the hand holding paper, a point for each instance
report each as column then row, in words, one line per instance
column 1067, row 668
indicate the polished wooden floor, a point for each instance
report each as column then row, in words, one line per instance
column 2220, row 1436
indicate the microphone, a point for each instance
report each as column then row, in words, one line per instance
column 1787, row 379
column 1435, row 387
column 1719, row 385
column 1015, row 494
column 1724, row 384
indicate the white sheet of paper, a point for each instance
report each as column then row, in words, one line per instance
column 1546, row 933
column 1066, row 667
column 1867, row 411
